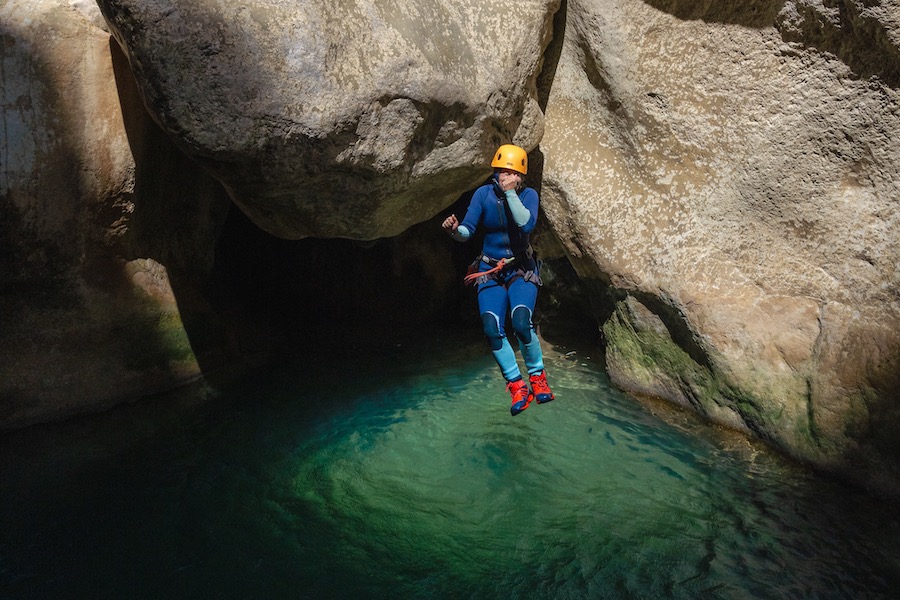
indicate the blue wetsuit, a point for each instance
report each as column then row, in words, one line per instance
column 514, row 289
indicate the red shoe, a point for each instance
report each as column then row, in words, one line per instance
column 521, row 397
column 540, row 389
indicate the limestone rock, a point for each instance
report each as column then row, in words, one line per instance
column 350, row 119
column 727, row 172
column 88, row 316
column 733, row 167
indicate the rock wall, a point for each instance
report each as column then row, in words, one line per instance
column 97, row 214
column 729, row 169
column 726, row 173
column 348, row 119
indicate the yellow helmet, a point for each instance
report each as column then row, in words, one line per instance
column 512, row 157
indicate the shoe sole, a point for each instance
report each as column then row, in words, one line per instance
column 513, row 410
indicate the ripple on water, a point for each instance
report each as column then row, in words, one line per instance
column 411, row 479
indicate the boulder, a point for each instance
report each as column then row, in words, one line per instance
column 356, row 119
column 728, row 169
column 88, row 309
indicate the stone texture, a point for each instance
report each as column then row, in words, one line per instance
column 730, row 167
column 724, row 172
column 355, row 118
column 88, row 314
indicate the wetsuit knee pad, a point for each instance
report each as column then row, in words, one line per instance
column 491, row 326
column 521, row 322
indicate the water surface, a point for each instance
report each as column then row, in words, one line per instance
column 403, row 476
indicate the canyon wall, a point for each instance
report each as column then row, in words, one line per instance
column 725, row 175
column 730, row 169
column 90, row 254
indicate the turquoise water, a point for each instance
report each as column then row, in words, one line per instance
column 407, row 478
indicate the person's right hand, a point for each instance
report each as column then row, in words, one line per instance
column 508, row 180
column 450, row 224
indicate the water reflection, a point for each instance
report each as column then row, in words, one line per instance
column 410, row 479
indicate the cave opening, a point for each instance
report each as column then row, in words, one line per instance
column 314, row 294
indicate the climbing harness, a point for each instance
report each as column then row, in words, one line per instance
column 473, row 275
column 500, row 268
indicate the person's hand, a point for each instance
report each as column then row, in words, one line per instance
column 508, row 180
column 450, row 224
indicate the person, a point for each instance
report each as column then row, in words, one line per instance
column 506, row 272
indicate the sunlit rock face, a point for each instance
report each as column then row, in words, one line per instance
column 733, row 169
column 343, row 119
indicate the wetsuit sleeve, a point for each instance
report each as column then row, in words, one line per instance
column 524, row 208
column 461, row 234
column 520, row 214
column 473, row 214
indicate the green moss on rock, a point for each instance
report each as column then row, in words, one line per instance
column 152, row 337
column 643, row 358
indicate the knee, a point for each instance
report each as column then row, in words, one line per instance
column 521, row 322
column 491, row 324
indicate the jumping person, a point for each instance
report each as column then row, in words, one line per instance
column 506, row 271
